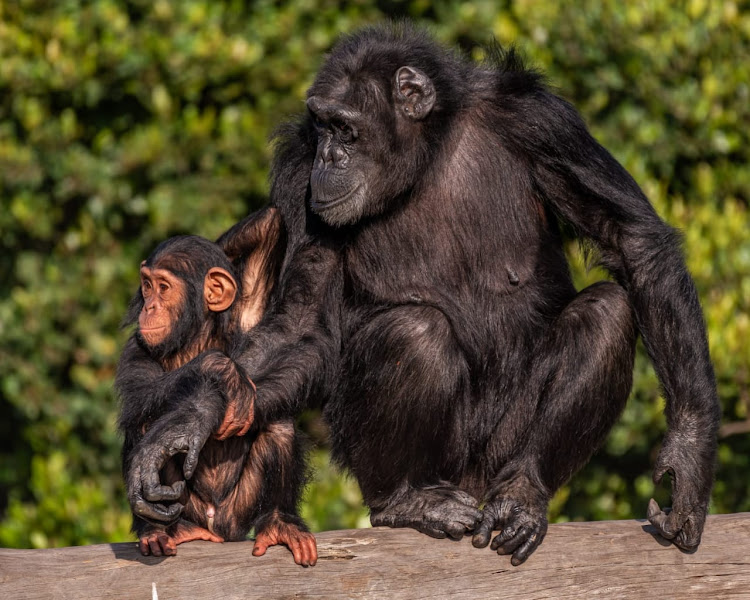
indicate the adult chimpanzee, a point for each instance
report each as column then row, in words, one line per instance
column 425, row 290
column 177, row 380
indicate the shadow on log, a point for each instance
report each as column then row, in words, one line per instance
column 608, row 559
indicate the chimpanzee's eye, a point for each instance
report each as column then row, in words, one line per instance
column 346, row 132
column 317, row 122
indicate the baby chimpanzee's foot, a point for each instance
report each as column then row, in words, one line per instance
column 290, row 531
column 438, row 511
column 163, row 542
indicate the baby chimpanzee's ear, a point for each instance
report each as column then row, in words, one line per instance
column 219, row 289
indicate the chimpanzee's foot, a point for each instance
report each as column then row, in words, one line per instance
column 520, row 513
column 300, row 542
column 164, row 542
column 438, row 511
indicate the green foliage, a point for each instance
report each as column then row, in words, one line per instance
column 332, row 501
column 125, row 122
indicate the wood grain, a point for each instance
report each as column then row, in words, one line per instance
column 608, row 559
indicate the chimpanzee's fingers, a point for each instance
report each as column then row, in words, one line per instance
column 245, row 427
column 684, row 527
column 227, row 423
column 483, row 532
column 659, row 472
column 312, row 551
column 525, row 549
column 304, row 559
column 151, row 511
column 307, row 552
column 144, row 547
column 191, row 460
column 430, row 530
column 134, row 484
column 667, row 522
column 297, row 551
column 154, row 546
column 154, row 453
column 509, row 539
column 689, row 537
column 457, row 530
column 260, row 547
column 168, row 545
column 212, row 537
column 157, row 513
column 155, row 492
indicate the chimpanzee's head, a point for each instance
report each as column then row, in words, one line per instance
column 186, row 284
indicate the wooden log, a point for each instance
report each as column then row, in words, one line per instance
column 608, row 559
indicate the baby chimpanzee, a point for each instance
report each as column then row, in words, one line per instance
column 177, row 380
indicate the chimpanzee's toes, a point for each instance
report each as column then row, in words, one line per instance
column 522, row 527
column 437, row 511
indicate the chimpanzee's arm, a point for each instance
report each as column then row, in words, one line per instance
column 146, row 390
column 590, row 190
column 165, row 413
column 291, row 354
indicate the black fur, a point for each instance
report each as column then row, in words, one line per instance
column 251, row 481
column 471, row 369
column 425, row 293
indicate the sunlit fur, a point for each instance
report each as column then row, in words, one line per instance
column 437, row 313
column 180, row 389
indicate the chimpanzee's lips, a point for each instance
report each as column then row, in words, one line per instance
column 150, row 329
column 320, row 202
column 331, row 187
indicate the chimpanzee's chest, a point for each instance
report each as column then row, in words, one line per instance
column 471, row 263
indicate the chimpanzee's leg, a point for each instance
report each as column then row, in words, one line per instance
column 399, row 423
column 582, row 375
column 267, row 494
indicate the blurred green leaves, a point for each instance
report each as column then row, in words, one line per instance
column 125, row 122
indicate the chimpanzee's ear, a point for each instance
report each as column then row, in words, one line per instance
column 414, row 92
column 219, row 289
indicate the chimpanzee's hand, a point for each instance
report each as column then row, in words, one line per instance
column 691, row 489
column 149, row 498
column 236, row 387
column 154, row 512
column 240, row 412
column 239, row 416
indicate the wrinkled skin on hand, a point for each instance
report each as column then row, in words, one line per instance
column 149, row 498
column 691, row 490
column 518, row 509
column 239, row 390
column 238, row 419
column 522, row 527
